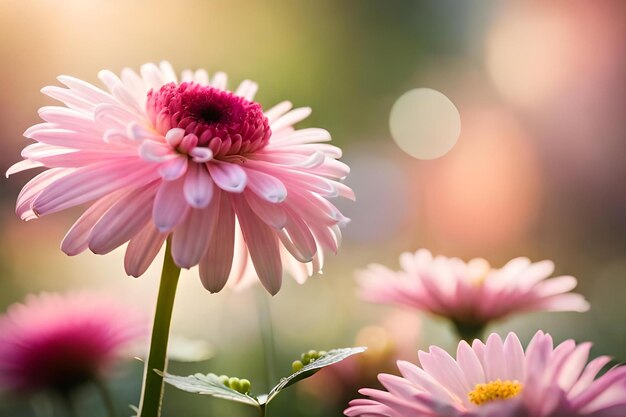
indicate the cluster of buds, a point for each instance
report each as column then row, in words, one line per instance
column 240, row 385
column 306, row 358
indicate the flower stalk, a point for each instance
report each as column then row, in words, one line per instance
column 267, row 336
column 152, row 392
column 107, row 400
column 469, row 331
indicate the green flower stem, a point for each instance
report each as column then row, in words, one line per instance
column 70, row 406
column 107, row 400
column 469, row 331
column 267, row 335
column 152, row 393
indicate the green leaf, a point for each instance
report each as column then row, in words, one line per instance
column 331, row 357
column 209, row 384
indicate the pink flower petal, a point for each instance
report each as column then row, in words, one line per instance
column 290, row 118
column 174, row 136
column 22, row 166
column 123, row 220
column 247, row 89
column 77, row 238
column 271, row 213
column 70, row 139
column 278, row 110
column 200, row 154
column 143, row 131
column 424, row 380
column 170, row 206
column 190, row 239
column 33, row 188
column 88, row 91
column 302, row 136
column 266, row 186
column 301, row 237
column 91, row 182
column 514, row 354
column 470, row 365
column 142, row 249
column 564, row 302
column 216, row 264
column 573, row 366
column 156, row 152
column 262, row 243
column 174, row 168
column 113, row 116
column 219, row 80
column 198, row 186
column 229, row 177
column 589, row 375
column 495, row 366
column 440, row 365
column 70, row 98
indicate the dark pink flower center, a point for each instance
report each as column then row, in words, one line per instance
column 63, row 360
column 222, row 121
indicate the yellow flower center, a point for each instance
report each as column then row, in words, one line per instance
column 494, row 390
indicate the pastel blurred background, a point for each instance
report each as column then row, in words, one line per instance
column 539, row 169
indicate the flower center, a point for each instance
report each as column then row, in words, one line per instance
column 494, row 390
column 222, row 121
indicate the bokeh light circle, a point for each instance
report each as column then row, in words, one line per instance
column 425, row 123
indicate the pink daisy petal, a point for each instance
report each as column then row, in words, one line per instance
column 89, row 183
column 188, row 142
column 142, row 249
column 262, row 244
column 77, row 238
column 445, row 387
column 174, row 168
column 473, row 294
column 122, row 221
column 58, row 342
column 217, row 262
column 266, row 186
column 514, row 354
column 170, row 205
column 229, row 177
column 271, row 213
column 470, row 365
column 198, row 187
column 191, row 239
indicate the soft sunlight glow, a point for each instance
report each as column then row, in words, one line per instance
column 487, row 192
column 425, row 123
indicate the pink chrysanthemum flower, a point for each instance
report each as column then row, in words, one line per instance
column 158, row 156
column 470, row 294
column 58, row 342
column 500, row 379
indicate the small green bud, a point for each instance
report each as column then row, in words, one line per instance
column 224, row 379
column 306, row 358
column 296, row 366
column 244, row 386
column 234, row 383
column 322, row 353
column 313, row 354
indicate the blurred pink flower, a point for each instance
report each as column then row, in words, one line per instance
column 156, row 156
column 470, row 294
column 60, row 341
column 500, row 379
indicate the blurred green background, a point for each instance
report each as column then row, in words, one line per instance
column 539, row 169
